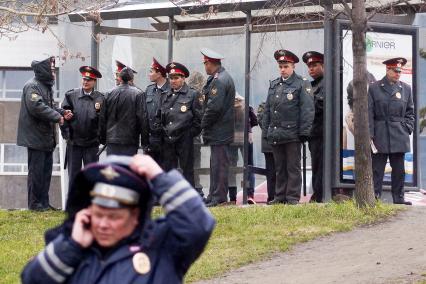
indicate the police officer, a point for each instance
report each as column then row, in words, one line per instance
column 152, row 99
column 81, row 132
column 36, row 131
column 218, row 124
column 289, row 112
column 181, row 114
column 108, row 235
column 121, row 66
column 391, row 120
column 120, row 121
column 315, row 62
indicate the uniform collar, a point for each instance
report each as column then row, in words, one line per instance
column 390, row 88
column 182, row 90
column 83, row 94
column 289, row 80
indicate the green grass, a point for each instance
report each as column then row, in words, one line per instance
column 242, row 235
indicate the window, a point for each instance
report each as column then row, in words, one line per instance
column 14, row 160
column 12, row 80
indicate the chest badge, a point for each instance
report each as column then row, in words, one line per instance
column 289, row 96
column 34, row 97
column 141, row 263
column 213, row 91
column 97, row 106
column 398, row 95
column 183, row 108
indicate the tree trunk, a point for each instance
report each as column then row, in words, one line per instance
column 364, row 192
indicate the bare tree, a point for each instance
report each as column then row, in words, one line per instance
column 17, row 16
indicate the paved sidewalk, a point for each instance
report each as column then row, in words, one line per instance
column 390, row 252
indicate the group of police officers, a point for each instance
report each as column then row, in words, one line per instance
column 166, row 117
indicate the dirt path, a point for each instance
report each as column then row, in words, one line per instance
column 390, row 252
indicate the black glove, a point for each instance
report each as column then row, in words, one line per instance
column 303, row 138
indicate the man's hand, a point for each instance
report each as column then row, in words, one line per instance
column 81, row 232
column 68, row 114
column 144, row 165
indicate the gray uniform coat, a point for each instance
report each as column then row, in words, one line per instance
column 289, row 110
column 391, row 116
column 218, row 119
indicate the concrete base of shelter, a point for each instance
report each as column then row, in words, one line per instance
column 14, row 194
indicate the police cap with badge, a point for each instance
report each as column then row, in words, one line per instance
column 395, row 64
column 110, row 184
column 211, row 56
column 121, row 66
column 90, row 73
column 158, row 67
column 285, row 56
column 176, row 68
column 313, row 57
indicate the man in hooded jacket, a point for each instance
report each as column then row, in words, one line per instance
column 108, row 236
column 36, row 131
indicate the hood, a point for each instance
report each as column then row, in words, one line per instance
column 42, row 71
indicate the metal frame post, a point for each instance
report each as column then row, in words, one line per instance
column 170, row 40
column 247, row 170
column 329, row 102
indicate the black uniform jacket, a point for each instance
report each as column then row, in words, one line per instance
column 218, row 119
column 151, row 113
column 38, row 114
column 181, row 111
column 82, row 130
column 391, row 116
column 319, row 97
column 120, row 121
column 289, row 110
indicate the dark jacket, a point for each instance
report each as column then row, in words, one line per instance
column 38, row 114
column 120, row 121
column 265, row 146
column 391, row 116
column 181, row 111
column 171, row 243
column 82, row 130
column 289, row 110
column 218, row 119
column 319, row 97
column 151, row 113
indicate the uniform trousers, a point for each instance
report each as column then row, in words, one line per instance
column 77, row 155
column 180, row 153
column 122, row 149
column 316, row 147
column 40, row 165
column 219, row 169
column 288, row 172
column 270, row 175
column 397, row 177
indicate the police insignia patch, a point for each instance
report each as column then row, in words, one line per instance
column 97, row 106
column 183, row 108
column 34, row 97
column 109, row 173
column 213, row 91
column 141, row 263
column 398, row 95
column 289, row 96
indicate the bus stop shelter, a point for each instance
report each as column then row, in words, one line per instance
column 173, row 22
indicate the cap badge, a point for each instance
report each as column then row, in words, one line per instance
column 172, row 71
column 173, row 65
column 398, row 95
column 141, row 263
column 109, row 173
column 289, row 96
column 281, row 52
column 183, row 108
